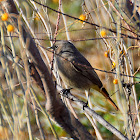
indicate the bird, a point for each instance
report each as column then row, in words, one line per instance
column 75, row 70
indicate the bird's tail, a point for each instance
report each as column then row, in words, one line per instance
column 105, row 93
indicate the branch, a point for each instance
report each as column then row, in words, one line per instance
column 81, row 104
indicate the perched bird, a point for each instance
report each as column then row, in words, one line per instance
column 75, row 70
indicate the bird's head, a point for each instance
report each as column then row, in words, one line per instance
column 63, row 47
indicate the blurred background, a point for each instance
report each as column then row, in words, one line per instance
column 99, row 41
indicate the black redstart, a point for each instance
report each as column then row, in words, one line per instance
column 76, row 71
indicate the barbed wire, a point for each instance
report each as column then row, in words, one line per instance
column 131, row 37
column 90, row 67
column 74, row 40
column 111, row 72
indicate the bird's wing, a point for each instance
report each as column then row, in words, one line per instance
column 83, row 66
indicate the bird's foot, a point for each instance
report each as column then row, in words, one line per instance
column 66, row 91
column 85, row 105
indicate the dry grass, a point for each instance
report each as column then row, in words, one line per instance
column 22, row 111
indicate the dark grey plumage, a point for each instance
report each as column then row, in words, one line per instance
column 76, row 71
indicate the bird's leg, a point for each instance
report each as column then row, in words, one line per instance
column 87, row 95
column 66, row 91
column 85, row 105
column 88, row 99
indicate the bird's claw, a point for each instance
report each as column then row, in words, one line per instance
column 85, row 105
column 66, row 91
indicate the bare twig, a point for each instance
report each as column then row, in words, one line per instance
column 92, row 113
